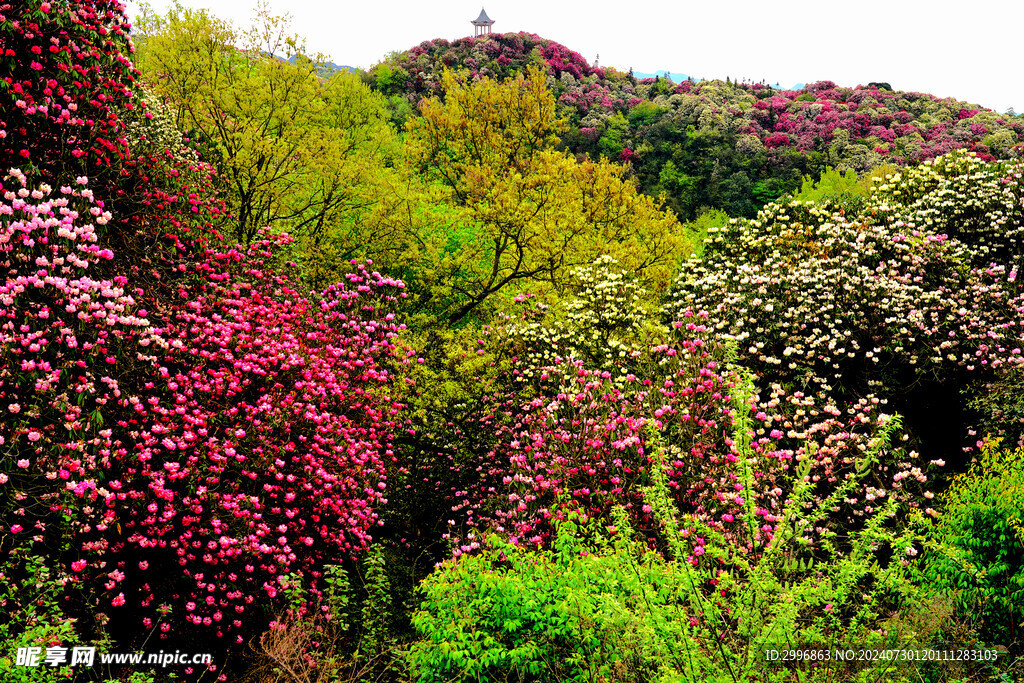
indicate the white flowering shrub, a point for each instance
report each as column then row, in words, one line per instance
column 978, row 202
column 868, row 304
column 603, row 320
column 153, row 128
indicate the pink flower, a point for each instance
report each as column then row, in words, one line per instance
column 15, row 528
column 78, row 565
column 118, row 601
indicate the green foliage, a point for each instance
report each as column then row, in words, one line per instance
column 699, row 227
column 32, row 615
column 680, row 189
column 1000, row 405
column 599, row 605
column 294, row 149
column 978, row 550
column 377, row 611
column 644, row 114
column 538, row 211
column 612, row 138
column 844, row 190
column 769, row 189
column 35, row 614
column 572, row 614
column 349, row 635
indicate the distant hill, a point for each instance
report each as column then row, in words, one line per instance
column 712, row 143
column 674, row 76
column 339, row 67
column 325, row 69
column 679, row 77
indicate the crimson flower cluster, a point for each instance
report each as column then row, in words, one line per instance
column 65, row 73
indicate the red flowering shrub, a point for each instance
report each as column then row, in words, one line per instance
column 70, row 93
column 64, row 70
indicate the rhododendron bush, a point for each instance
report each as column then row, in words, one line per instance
column 269, row 453
column 569, row 426
column 878, row 301
column 241, row 433
column 581, row 442
column 73, row 107
column 65, row 69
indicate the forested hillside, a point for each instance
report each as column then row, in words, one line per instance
column 712, row 144
column 488, row 365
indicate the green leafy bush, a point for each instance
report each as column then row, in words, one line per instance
column 598, row 604
column 979, row 553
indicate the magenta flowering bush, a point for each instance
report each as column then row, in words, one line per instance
column 241, row 432
column 585, row 445
column 267, row 452
column 498, row 55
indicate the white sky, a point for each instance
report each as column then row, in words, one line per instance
column 968, row 51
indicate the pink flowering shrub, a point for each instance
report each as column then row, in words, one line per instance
column 62, row 335
column 587, row 391
column 241, row 433
column 267, row 454
column 71, row 345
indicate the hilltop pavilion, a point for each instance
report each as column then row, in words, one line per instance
column 482, row 24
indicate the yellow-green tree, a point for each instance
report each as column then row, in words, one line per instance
column 295, row 150
column 527, row 213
